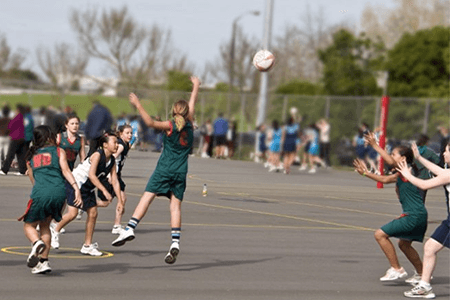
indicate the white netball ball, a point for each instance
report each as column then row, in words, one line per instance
column 263, row 60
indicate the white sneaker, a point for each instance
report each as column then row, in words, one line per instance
column 419, row 291
column 80, row 214
column 266, row 165
column 55, row 238
column 116, row 229
column 312, row 171
column 174, row 249
column 303, row 168
column 272, row 168
column 2, row 173
column 91, row 250
column 36, row 250
column 125, row 235
column 41, row 268
column 415, row 279
column 393, row 274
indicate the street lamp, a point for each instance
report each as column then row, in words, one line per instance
column 233, row 43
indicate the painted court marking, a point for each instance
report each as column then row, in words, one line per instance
column 13, row 250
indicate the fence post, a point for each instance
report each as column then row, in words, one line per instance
column 241, row 125
column 285, row 108
column 327, row 108
column 426, row 117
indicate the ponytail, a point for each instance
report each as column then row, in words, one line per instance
column 180, row 122
column 42, row 135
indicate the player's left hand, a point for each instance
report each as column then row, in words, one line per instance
column 360, row 166
column 134, row 100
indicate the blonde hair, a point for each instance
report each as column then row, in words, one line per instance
column 180, row 112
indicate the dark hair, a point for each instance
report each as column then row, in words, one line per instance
column 290, row 121
column 42, row 135
column 5, row 111
column 71, row 116
column 275, row 124
column 98, row 142
column 409, row 155
column 122, row 128
column 422, row 140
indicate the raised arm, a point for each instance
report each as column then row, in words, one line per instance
column 372, row 141
column 194, row 96
column 134, row 100
column 435, row 169
column 442, row 179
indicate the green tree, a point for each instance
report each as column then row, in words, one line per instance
column 178, row 81
column 299, row 87
column 349, row 63
column 418, row 66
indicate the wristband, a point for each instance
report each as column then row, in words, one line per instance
column 73, row 183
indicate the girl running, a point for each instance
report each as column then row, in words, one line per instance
column 125, row 133
column 412, row 223
column 169, row 177
column 47, row 168
column 290, row 135
column 91, row 174
column 314, row 149
column 73, row 144
column 441, row 236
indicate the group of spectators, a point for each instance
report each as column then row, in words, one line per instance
column 218, row 139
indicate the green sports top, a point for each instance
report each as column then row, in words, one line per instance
column 428, row 155
column 177, row 146
column 410, row 197
column 48, row 178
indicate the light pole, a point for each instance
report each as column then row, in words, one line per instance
column 233, row 43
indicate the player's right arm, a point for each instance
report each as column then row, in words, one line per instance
column 442, row 178
column 165, row 125
column 361, row 168
column 372, row 141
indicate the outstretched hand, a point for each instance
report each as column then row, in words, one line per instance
column 415, row 150
column 360, row 166
column 195, row 80
column 370, row 138
column 134, row 100
column 403, row 168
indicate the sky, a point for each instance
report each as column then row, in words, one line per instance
column 198, row 27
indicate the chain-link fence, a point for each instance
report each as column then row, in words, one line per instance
column 407, row 116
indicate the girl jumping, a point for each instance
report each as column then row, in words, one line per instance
column 169, row 177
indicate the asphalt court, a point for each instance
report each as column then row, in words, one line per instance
column 256, row 235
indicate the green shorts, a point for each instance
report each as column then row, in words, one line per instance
column 164, row 184
column 409, row 227
column 41, row 208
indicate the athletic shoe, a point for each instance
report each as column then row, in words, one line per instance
column 312, row 171
column 41, row 268
column 2, row 173
column 171, row 257
column 55, row 238
column 36, row 250
column 392, row 274
column 116, row 229
column 419, row 291
column 272, row 168
column 125, row 235
column 413, row 280
column 91, row 250
column 80, row 214
column 303, row 168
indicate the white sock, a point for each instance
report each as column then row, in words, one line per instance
column 425, row 284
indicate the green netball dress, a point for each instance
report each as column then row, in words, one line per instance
column 412, row 224
column 72, row 148
column 170, row 172
column 48, row 194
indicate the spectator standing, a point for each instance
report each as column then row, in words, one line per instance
column 99, row 120
column 29, row 126
column 220, row 135
column 231, row 138
column 17, row 146
column 324, row 137
column 207, row 132
column 4, row 133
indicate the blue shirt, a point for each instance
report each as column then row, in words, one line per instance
column 220, row 126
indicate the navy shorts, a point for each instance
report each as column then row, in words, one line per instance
column 441, row 234
column 88, row 198
column 221, row 140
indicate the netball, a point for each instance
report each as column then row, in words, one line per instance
column 263, row 60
